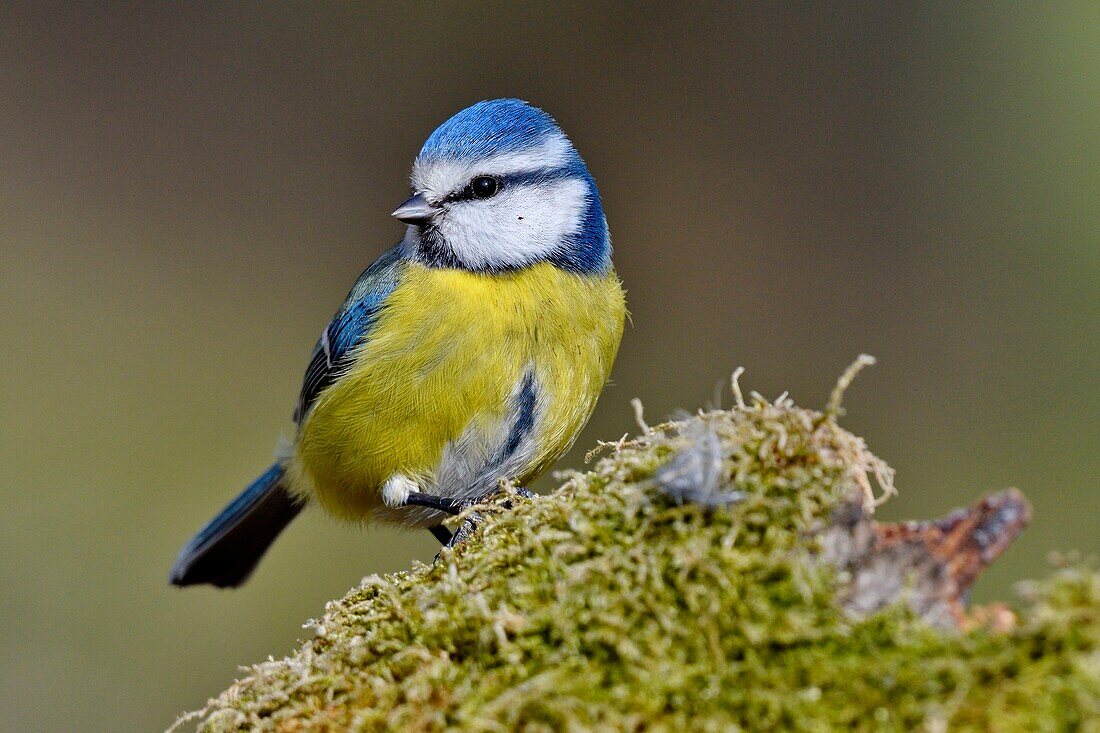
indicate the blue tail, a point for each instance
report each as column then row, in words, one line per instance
column 225, row 552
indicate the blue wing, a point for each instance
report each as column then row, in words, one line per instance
column 349, row 327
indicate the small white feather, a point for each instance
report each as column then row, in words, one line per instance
column 397, row 489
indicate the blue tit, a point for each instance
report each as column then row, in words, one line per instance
column 472, row 351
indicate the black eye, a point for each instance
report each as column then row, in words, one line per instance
column 484, row 187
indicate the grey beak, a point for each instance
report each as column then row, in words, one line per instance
column 414, row 210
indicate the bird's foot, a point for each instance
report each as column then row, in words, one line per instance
column 455, row 507
column 474, row 519
column 465, row 530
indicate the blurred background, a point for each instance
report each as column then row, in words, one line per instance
column 187, row 193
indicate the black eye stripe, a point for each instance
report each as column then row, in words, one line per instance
column 545, row 175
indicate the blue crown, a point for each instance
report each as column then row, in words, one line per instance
column 489, row 128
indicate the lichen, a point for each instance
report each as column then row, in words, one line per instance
column 606, row 605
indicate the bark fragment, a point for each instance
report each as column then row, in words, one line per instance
column 930, row 564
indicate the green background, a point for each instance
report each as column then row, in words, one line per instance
column 186, row 193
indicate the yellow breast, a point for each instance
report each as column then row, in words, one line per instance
column 438, row 372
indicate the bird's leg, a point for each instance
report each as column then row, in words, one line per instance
column 440, row 503
column 431, row 501
column 442, row 534
column 455, row 507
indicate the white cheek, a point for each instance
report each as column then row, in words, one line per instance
column 516, row 227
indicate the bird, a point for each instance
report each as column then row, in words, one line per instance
column 471, row 352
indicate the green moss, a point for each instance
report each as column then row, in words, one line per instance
column 607, row 606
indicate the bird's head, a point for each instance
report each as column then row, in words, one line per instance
column 499, row 187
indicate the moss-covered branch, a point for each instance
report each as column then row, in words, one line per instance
column 704, row 576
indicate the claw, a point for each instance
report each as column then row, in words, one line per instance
column 465, row 530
